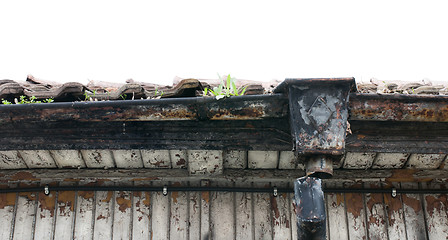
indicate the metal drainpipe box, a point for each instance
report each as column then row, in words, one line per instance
column 318, row 113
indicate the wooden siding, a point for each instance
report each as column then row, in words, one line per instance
column 219, row 215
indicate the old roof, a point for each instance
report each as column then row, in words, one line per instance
column 392, row 127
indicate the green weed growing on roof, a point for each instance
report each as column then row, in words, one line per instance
column 23, row 100
column 226, row 88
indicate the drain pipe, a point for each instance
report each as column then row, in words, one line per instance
column 318, row 110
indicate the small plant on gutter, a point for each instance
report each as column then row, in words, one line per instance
column 226, row 88
column 23, row 100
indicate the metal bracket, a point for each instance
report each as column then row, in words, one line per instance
column 275, row 192
column 46, row 190
column 165, row 190
column 394, row 192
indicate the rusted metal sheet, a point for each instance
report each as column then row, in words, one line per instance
column 179, row 109
column 318, row 113
column 398, row 107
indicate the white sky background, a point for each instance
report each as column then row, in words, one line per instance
column 154, row 41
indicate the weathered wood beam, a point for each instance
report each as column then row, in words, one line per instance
column 242, row 176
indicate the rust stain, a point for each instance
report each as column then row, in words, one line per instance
column 174, row 196
column 123, row 202
column 86, row 194
column 206, row 196
column 181, row 162
column 405, row 175
column 145, row 179
column 147, row 200
column 108, row 197
column 100, row 217
column 7, row 199
column 412, row 202
column 66, row 199
column 436, row 203
column 71, row 180
column 274, row 207
column 47, row 203
column 354, row 202
column 24, row 176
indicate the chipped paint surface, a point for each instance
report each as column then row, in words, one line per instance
column 38, row 158
column 358, row 160
column 263, row 159
column 128, row 158
column 11, row 160
column 390, row 160
column 156, row 158
column 235, row 159
column 98, row 158
column 425, row 161
column 205, row 162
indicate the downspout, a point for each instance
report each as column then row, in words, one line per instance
column 318, row 111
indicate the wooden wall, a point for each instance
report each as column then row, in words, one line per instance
column 218, row 215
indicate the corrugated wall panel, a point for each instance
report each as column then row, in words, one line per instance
column 219, row 215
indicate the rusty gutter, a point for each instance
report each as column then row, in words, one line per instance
column 193, row 108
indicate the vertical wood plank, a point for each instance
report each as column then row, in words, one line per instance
column 222, row 211
column 65, row 211
column 413, row 213
column 98, row 158
column 281, row 217
column 395, row 219
column 85, row 210
column 205, row 212
column 25, row 215
column 356, row 214
column 142, row 215
column 160, row 206
column 336, row 213
column 194, row 201
column 7, row 204
column 262, row 213
column 179, row 213
column 68, row 158
column 376, row 214
column 292, row 206
column 244, row 213
column 104, row 214
column 45, row 214
column 122, row 215
column 128, row 158
column 436, row 212
column 38, row 158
